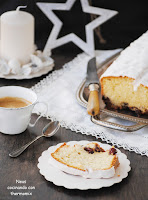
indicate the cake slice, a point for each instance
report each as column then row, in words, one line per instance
column 89, row 161
column 124, row 85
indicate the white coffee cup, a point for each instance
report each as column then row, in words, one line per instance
column 16, row 120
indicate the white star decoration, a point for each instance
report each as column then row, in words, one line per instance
column 88, row 46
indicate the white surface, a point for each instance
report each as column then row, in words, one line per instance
column 17, row 35
column 133, row 62
column 88, row 46
column 64, row 107
column 60, row 178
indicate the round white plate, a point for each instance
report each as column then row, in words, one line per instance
column 68, row 181
column 44, row 71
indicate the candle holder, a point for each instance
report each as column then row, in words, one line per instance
column 38, row 65
column 19, row 57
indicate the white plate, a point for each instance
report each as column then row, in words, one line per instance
column 68, row 181
column 44, row 71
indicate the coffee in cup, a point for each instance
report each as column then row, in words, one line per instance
column 16, row 105
column 13, row 102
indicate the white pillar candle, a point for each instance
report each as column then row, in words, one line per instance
column 17, row 35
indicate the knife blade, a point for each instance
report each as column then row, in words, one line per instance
column 92, row 76
column 92, row 81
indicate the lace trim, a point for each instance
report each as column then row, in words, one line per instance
column 74, row 127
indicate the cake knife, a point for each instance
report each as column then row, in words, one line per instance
column 92, row 82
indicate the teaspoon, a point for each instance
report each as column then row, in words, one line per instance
column 48, row 131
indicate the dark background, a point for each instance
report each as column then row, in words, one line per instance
column 119, row 31
column 125, row 27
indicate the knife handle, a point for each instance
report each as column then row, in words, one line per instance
column 93, row 106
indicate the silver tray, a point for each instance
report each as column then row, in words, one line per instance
column 102, row 119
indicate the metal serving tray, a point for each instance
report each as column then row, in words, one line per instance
column 102, row 119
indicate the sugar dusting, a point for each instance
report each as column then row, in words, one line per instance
column 144, row 66
column 132, row 62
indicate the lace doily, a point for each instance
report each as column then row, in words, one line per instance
column 58, row 90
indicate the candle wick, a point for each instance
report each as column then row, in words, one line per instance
column 19, row 7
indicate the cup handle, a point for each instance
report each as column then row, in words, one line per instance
column 32, row 125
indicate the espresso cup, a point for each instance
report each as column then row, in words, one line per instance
column 16, row 120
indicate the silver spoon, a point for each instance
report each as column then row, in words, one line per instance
column 48, row 131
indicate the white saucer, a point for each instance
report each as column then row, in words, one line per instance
column 68, row 181
column 43, row 71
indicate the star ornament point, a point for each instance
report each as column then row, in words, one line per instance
column 53, row 40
